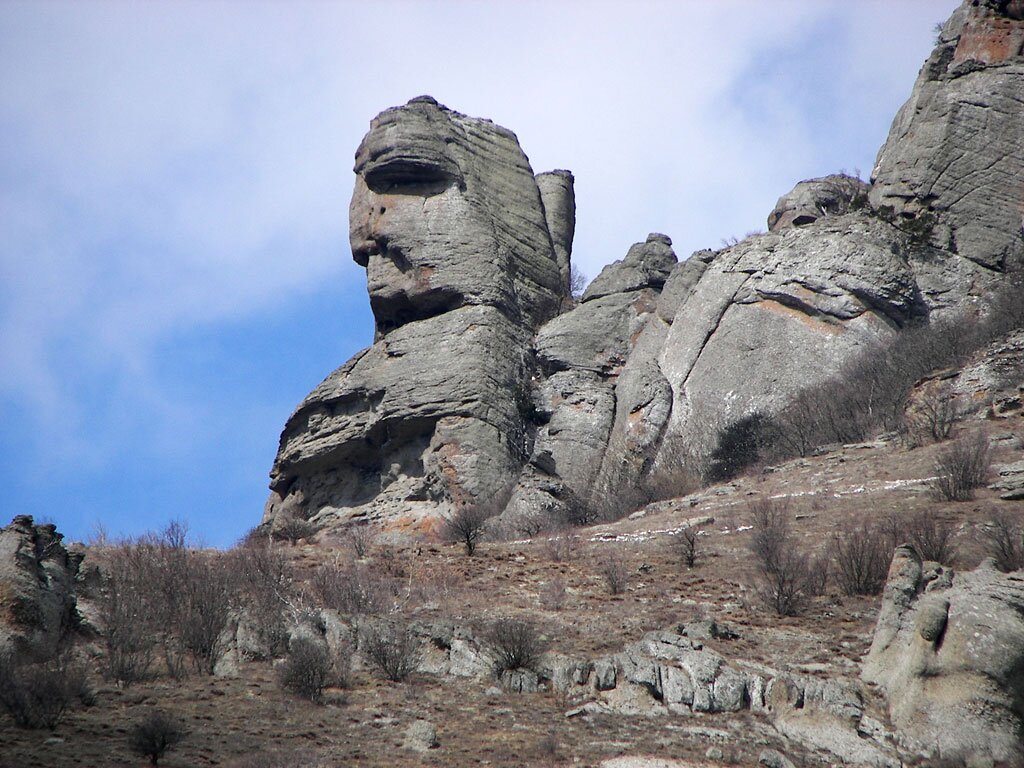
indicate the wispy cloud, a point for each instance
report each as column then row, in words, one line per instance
column 168, row 168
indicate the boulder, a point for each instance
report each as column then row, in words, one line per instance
column 947, row 652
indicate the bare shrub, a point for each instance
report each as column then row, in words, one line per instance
column 125, row 611
column 613, row 573
column 515, row 644
column 935, row 415
column 264, row 581
column 861, row 559
column 577, row 282
column 685, row 545
column 466, row 526
column 293, row 530
column 786, row 578
column 932, row 537
column 392, row 649
column 360, row 538
column 206, row 598
column 309, row 669
column 561, row 547
column 156, row 733
column 36, row 695
column 962, row 467
column 352, row 589
column 1002, row 537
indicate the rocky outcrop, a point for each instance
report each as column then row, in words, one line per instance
column 486, row 383
column 37, row 587
column 953, row 159
column 948, row 653
column 462, row 269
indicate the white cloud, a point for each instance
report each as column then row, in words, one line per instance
column 171, row 165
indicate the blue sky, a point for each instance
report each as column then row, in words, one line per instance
column 174, row 183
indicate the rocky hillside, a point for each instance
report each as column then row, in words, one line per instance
column 488, row 386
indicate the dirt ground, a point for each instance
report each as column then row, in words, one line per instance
column 249, row 720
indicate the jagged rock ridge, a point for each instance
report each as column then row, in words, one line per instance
column 487, row 385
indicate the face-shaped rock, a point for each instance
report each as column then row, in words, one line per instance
column 446, row 212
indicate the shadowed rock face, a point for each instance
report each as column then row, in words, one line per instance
column 948, row 652
column 447, row 218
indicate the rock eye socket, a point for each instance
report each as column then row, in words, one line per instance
column 409, row 177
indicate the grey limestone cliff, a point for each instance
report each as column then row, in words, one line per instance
column 487, row 384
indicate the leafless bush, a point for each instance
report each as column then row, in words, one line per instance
column 156, row 733
column 935, row 415
column 1002, row 537
column 861, row 559
column 293, row 530
column 206, row 598
column 37, row 694
column 685, row 544
column 515, row 644
column 561, row 547
column 265, row 584
column 309, row 669
column 786, row 573
column 360, row 538
column 932, row 537
column 962, row 467
column 352, row 589
column 613, row 573
column 466, row 526
column 391, row 648
column 125, row 612
column 577, row 282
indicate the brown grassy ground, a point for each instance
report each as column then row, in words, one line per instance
column 231, row 718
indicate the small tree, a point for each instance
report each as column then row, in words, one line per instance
column 685, row 545
column 392, row 649
column 360, row 538
column 153, row 735
column 466, row 526
column 577, row 282
column 515, row 644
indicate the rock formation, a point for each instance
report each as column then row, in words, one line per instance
column 37, row 587
column 462, row 269
column 948, row 653
column 486, row 384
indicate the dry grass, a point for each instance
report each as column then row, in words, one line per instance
column 245, row 720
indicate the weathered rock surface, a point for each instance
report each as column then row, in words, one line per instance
column 448, row 220
column 487, row 384
column 813, row 199
column 948, row 653
column 954, row 151
column 37, row 586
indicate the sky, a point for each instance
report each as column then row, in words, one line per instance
column 175, row 272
